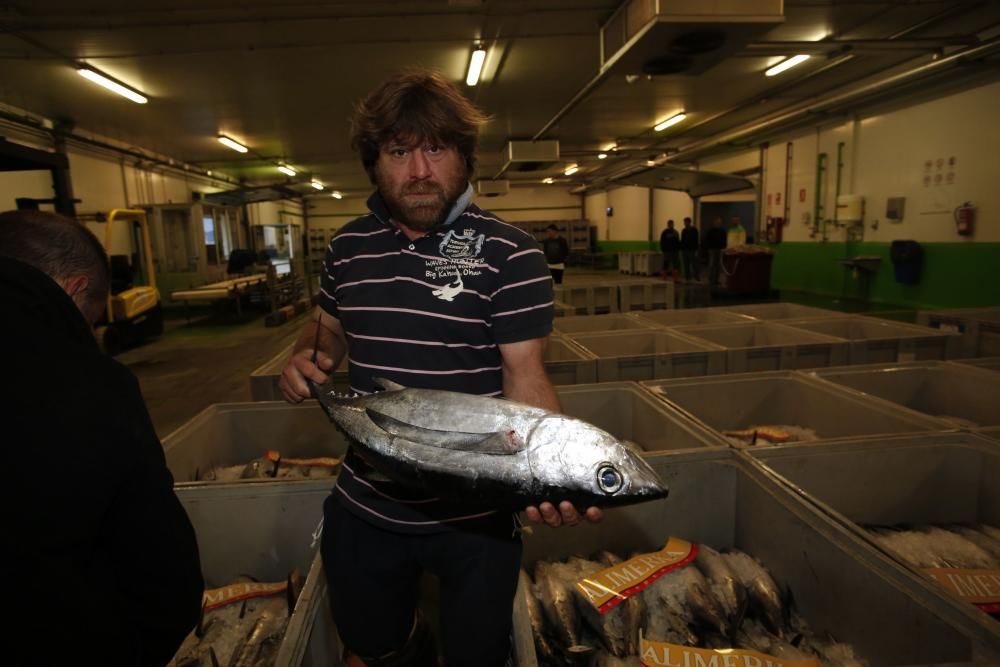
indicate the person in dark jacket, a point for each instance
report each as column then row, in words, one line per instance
column 715, row 243
column 556, row 251
column 100, row 557
column 689, row 250
column 670, row 246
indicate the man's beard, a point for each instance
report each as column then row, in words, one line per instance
column 423, row 214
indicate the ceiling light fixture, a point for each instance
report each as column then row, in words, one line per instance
column 105, row 81
column 286, row 170
column 336, row 195
column 547, row 181
column 673, row 120
column 786, row 64
column 475, row 65
column 572, row 169
column 232, row 143
column 316, row 184
column 602, row 156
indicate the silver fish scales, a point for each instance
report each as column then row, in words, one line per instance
column 499, row 452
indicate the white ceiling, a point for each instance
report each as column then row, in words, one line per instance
column 282, row 76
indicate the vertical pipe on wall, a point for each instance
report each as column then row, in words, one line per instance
column 818, row 213
column 128, row 203
column 761, row 188
column 788, row 181
column 649, row 216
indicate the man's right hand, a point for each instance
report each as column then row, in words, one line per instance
column 299, row 368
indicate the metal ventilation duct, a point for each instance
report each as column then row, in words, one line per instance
column 659, row 37
column 530, row 155
column 492, row 188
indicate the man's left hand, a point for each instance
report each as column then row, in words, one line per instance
column 564, row 515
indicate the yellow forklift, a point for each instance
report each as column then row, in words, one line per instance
column 134, row 310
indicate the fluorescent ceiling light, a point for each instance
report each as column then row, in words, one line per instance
column 336, row 195
column 650, row 163
column 786, row 64
column 316, row 184
column 673, row 120
column 208, row 173
column 286, row 170
column 602, row 156
column 475, row 66
column 112, row 85
column 572, row 169
column 232, row 143
column 547, row 181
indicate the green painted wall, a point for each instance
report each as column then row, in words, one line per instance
column 955, row 275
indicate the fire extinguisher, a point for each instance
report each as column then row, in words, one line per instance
column 965, row 219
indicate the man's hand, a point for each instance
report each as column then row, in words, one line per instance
column 300, row 368
column 565, row 515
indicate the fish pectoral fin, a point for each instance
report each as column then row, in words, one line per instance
column 388, row 385
column 485, row 443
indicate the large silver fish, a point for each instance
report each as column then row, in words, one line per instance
column 499, row 452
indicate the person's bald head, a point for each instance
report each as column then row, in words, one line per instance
column 65, row 250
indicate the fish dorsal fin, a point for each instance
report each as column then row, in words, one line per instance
column 483, row 443
column 388, row 385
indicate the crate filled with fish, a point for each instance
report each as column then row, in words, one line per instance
column 756, row 409
column 960, row 395
column 258, row 554
column 767, row 346
column 264, row 380
column 632, row 414
column 930, row 501
column 256, row 442
column 730, row 561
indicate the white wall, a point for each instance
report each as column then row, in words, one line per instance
column 887, row 155
column 630, row 219
column 670, row 205
column 595, row 206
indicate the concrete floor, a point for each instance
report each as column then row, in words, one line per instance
column 205, row 361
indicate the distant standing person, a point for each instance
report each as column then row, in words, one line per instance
column 556, row 251
column 715, row 243
column 670, row 245
column 689, row 250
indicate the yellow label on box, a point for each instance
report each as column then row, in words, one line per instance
column 220, row 597
column 612, row 586
column 980, row 587
column 662, row 654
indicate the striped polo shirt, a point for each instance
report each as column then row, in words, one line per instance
column 430, row 313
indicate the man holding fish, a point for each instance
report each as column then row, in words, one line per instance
column 428, row 291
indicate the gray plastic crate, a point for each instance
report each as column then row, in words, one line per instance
column 625, row 262
column 989, row 363
column 604, row 297
column 928, row 479
column 578, row 297
column 782, row 311
column 961, row 396
column 684, row 317
column 647, row 263
column 737, row 402
column 841, row 584
column 650, row 354
column 568, row 363
column 264, row 380
column 266, row 532
column 765, row 346
column 979, row 327
column 629, row 412
column 233, row 433
column 591, row 323
column 645, row 295
column 874, row 340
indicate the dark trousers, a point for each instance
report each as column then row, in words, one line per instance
column 671, row 261
column 714, row 265
column 373, row 577
column 690, row 263
column 557, row 275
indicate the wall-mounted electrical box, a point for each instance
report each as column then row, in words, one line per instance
column 850, row 209
column 894, row 209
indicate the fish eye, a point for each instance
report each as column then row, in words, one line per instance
column 609, row 479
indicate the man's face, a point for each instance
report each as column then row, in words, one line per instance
column 419, row 181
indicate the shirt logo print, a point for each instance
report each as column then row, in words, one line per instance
column 465, row 246
column 451, row 290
